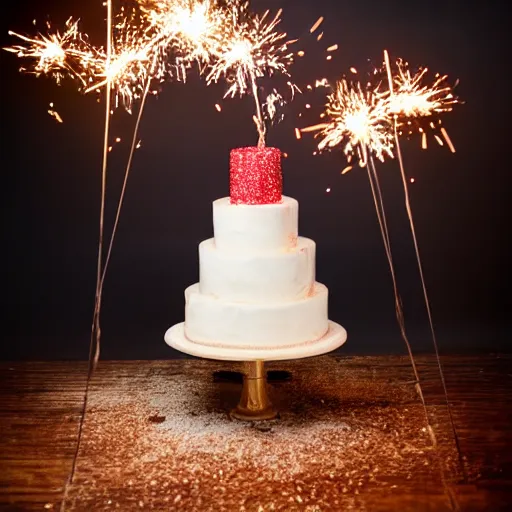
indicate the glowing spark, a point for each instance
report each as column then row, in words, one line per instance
column 388, row 71
column 319, row 36
column 332, row 48
column 314, row 128
column 328, row 189
column 301, row 53
column 360, row 119
column 250, row 48
column 50, row 53
column 413, row 103
column 55, row 114
column 195, row 25
column 447, row 139
column 132, row 63
column 297, row 133
column 56, row 54
column 329, row 57
column 317, row 23
column 273, row 100
column 348, row 168
column 414, row 99
column 218, row 107
column 322, row 83
column 439, row 140
column 189, row 30
column 412, row 180
column 353, row 70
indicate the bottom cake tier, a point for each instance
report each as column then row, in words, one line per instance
column 214, row 322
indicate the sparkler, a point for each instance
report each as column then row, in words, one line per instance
column 414, row 100
column 414, row 104
column 57, row 54
column 130, row 65
column 251, row 48
column 361, row 121
column 359, row 118
column 371, row 121
column 411, row 98
column 364, row 118
column 94, row 345
column 191, row 28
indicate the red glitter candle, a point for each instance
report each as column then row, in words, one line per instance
column 255, row 176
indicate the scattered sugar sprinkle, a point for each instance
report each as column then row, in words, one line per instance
column 340, row 437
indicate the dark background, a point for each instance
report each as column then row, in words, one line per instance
column 51, row 190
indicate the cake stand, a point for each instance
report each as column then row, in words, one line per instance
column 254, row 403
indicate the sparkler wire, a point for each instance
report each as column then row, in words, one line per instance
column 352, row 101
column 125, row 181
column 96, row 322
column 260, row 123
column 379, row 208
column 427, row 302
column 381, row 215
column 422, row 278
column 94, row 346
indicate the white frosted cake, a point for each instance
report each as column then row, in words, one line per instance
column 257, row 297
column 257, row 285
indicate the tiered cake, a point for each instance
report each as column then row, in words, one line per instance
column 257, row 292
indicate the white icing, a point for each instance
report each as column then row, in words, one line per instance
column 257, row 276
column 217, row 322
column 263, row 227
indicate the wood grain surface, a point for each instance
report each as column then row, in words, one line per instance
column 352, row 435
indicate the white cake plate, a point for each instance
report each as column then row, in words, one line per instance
column 334, row 338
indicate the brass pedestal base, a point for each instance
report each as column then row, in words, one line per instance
column 254, row 403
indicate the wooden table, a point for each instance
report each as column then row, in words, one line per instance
column 353, row 435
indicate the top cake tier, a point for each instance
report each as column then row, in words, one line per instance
column 255, row 176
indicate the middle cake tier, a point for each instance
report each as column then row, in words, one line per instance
column 275, row 276
column 255, row 227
